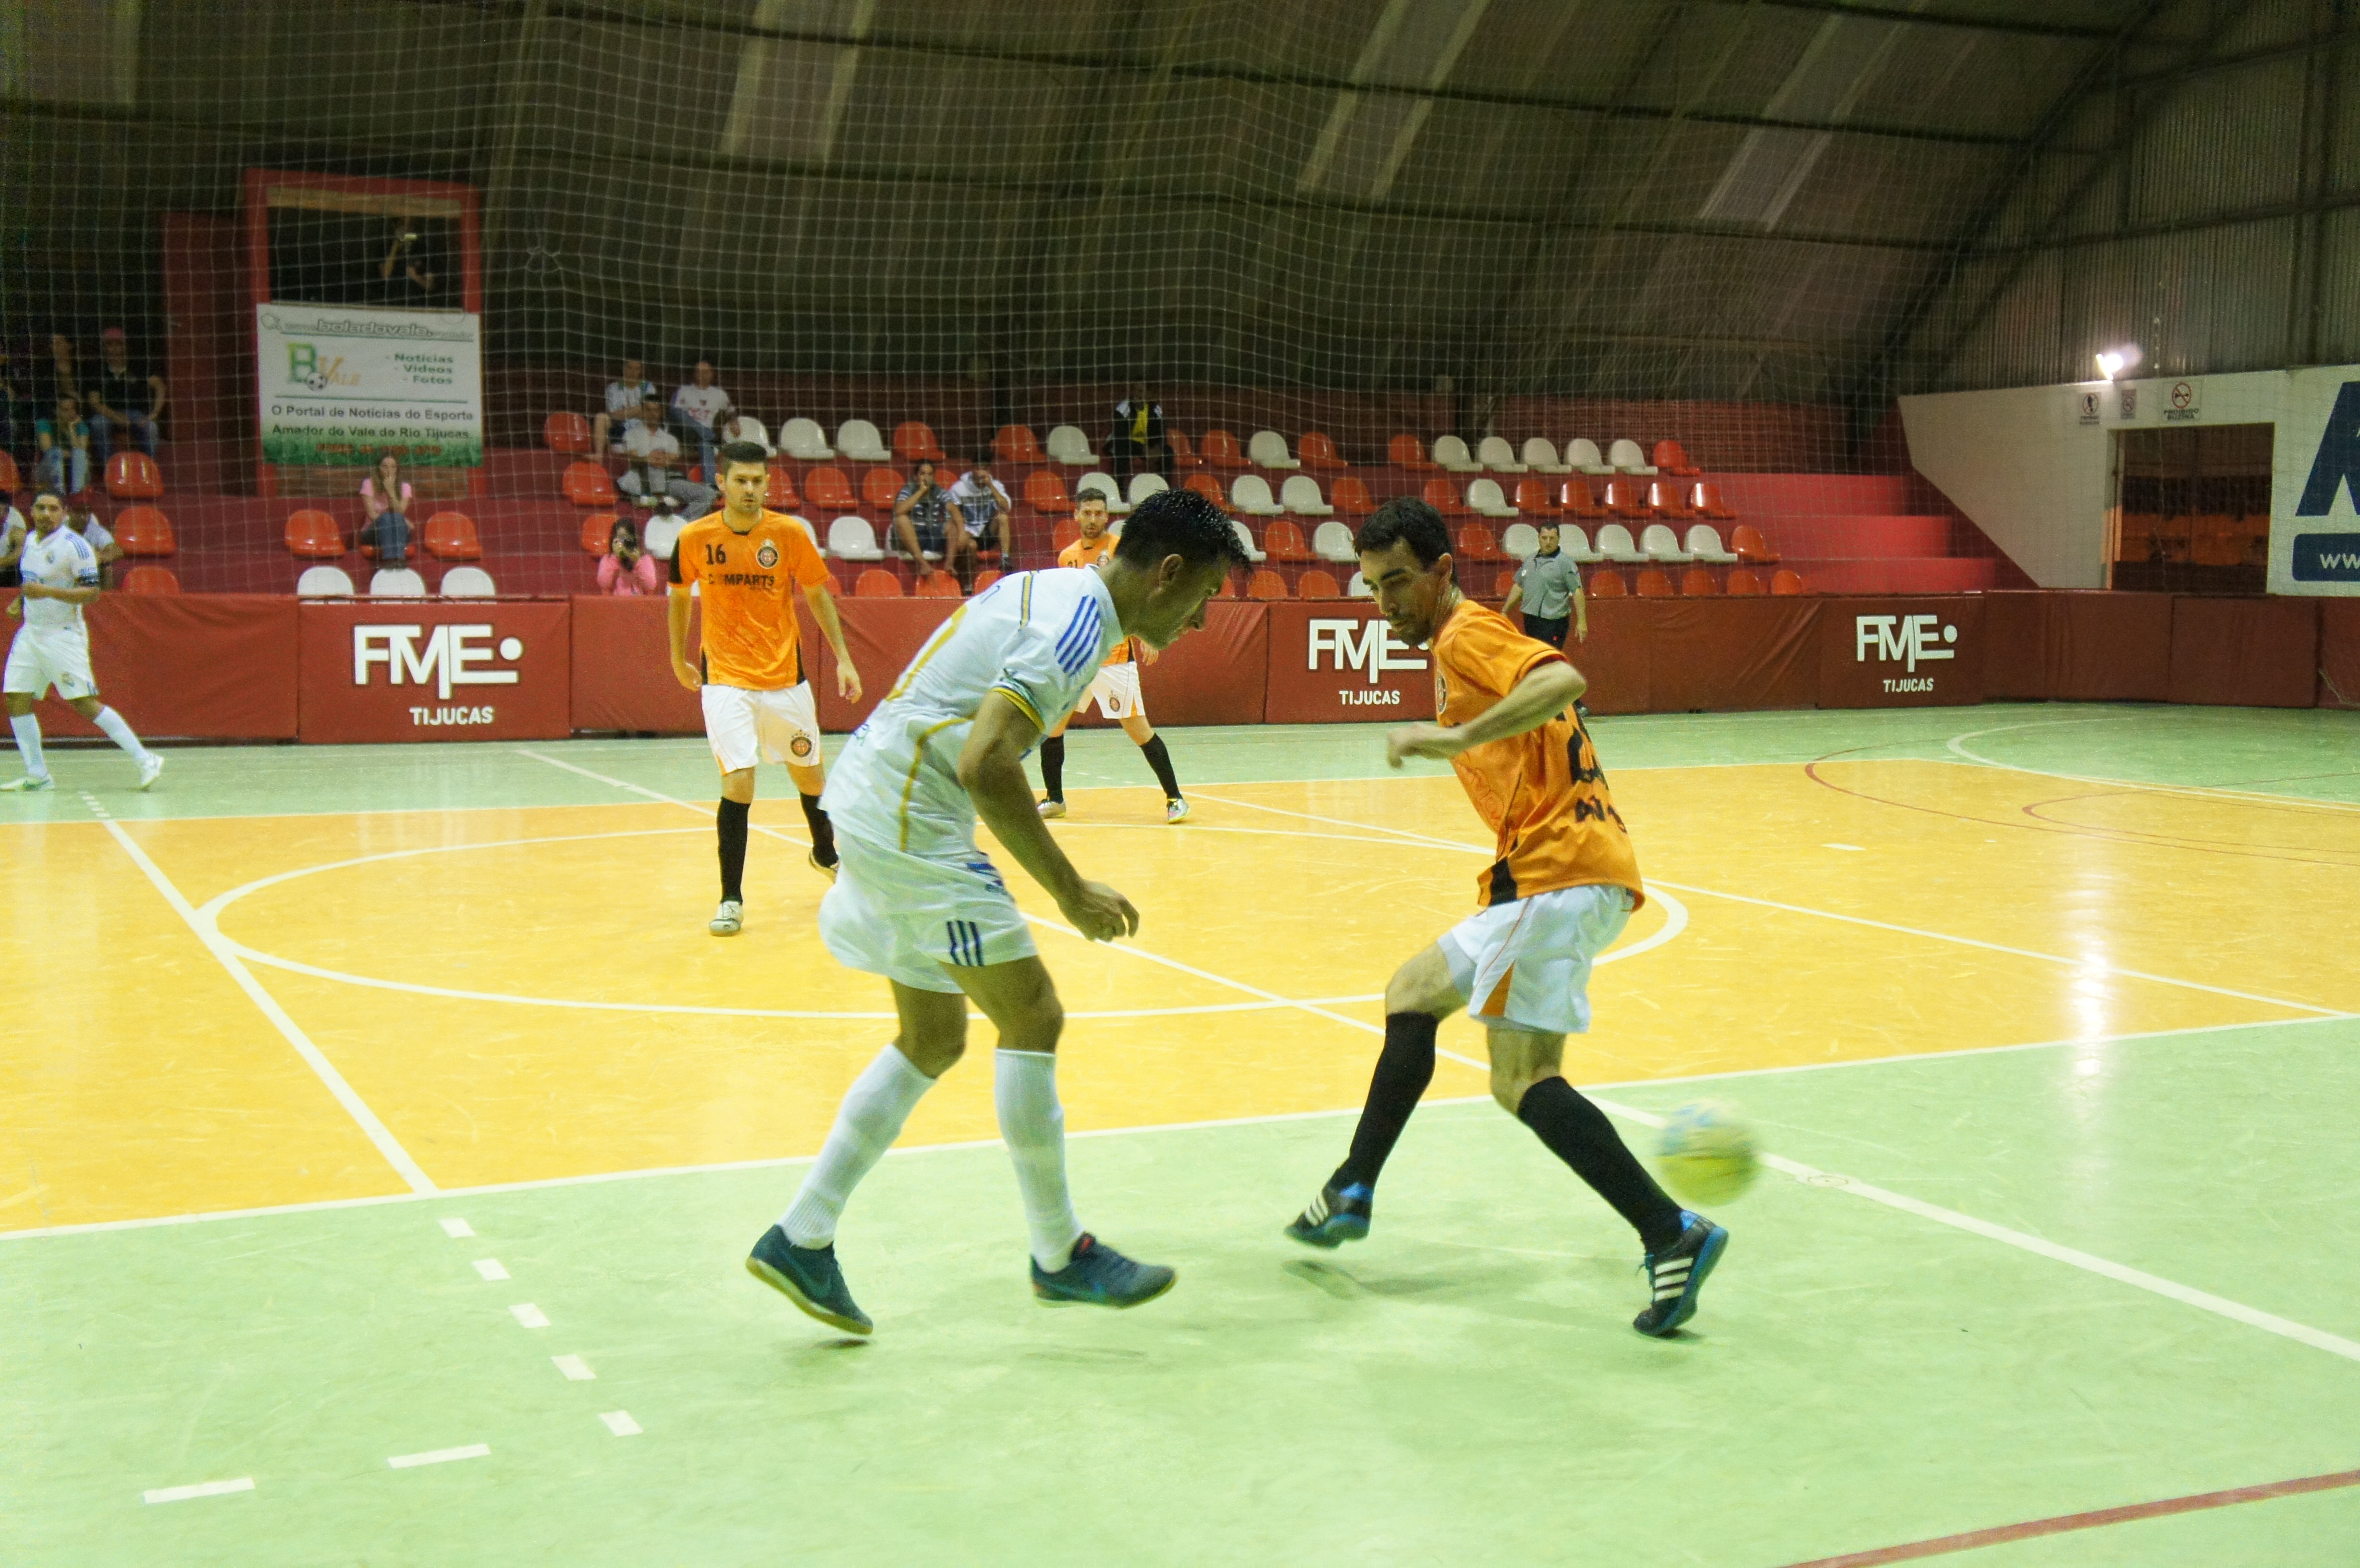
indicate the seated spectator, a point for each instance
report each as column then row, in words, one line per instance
column 624, row 395
column 918, row 514
column 1138, row 437
column 8, row 395
column 654, row 475
column 386, row 497
column 627, row 568
column 61, row 377
column 125, row 400
column 83, row 521
column 699, row 412
column 12, row 544
column 983, row 502
column 62, row 447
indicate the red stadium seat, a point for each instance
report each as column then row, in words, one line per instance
column 1318, row 452
column 1183, row 455
column 450, row 535
column 1625, row 498
column 938, row 585
column 781, row 495
column 313, row 534
column 9, row 481
column 1603, row 584
column 1405, row 450
column 1207, row 486
column 597, row 532
column 1581, row 501
column 143, row 530
column 1282, row 540
column 1351, row 498
column 1266, row 585
column 1533, row 500
column 1017, row 443
column 589, row 484
column 1219, row 450
column 881, row 488
column 150, row 579
column 1671, row 459
column 1667, row 500
column 1477, row 543
column 1443, row 496
column 1785, row 584
column 1044, row 491
column 1063, row 534
column 829, row 490
column 914, row 438
column 1229, row 589
column 1751, row 547
column 567, row 432
column 1705, row 499
column 1655, row 582
column 1503, row 583
column 1697, row 584
column 133, row 476
column 1317, row 585
column 984, row 579
column 876, row 583
column 1743, row 583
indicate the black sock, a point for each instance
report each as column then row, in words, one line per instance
column 1053, row 766
column 822, row 832
column 1161, row 760
column 1579, row 1133
column 1404, row 1070
column 731, row 819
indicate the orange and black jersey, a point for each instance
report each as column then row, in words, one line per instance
column 1542, row 793
column 750, row 583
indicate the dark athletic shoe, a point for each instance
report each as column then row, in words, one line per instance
column 1675, row 1275
column 809, row 1277
column 1098, row 1276
column 1337, row 1216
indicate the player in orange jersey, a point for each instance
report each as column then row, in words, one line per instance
column 1563, row 883
column 1115, row 685
column 758, row 700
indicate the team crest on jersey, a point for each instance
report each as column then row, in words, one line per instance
column 1441, row 689
column 768, row 556
column 800, row 747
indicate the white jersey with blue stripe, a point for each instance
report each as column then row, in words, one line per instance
column 1038, row 638
column 61, row 560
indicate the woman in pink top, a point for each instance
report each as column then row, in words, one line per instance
column 386, row 497
column 625, row 569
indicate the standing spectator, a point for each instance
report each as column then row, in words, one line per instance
column 123, row 399
column 918, row 514
column 654, row 475
column 624, row 395
column 1138, row 437
column 62, row 447
column 626, row 570
column 417, row 277
column 699, row 409
column 386, row 497
column 983, row 502
column 8, row 395
column 12, row 543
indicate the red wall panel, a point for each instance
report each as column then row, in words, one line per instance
column 2339, row 653
column 2248, row 653
column 1218, row 674
column 2077, row 646
column 1618, row 660
column 213, row 666
column 1729, row 655
column 622, row 668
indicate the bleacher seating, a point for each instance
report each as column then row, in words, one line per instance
column 1317, row 585
column 150, row 579
column 1669, row 498
column 597, row 532
column 1266, row 585
column 467, row 582
column 1246, row 538
column 450, row 535
column 661, row 533
column 851, row 539
column 827, row 488
column 1069, row 446
column 857, row 440
column 1697, row 584
column 984, row 579
column 876, row 583
column 1575, row 544
column 397, row 583
column 144, row 530
column 1405, row 450
column 938, row 585
column 1670, row 458
column 914, row 438
column 1358, row 588
column 1107, row 489
column 1655, row 582
column 1659, row 543
column 1744, row 584
column 587, row 485
column 881, row 488
column 1704, row 543
column 1207, row 486
column 1497, row 455
column 1585, row 458
column 1144, row 484
column 1614, row 544
column 1705, row 499
column 1606, row 586
column 1334, row 541
column 1443, row 496
column 1626, row 499
column 1475, row 543
column 1267, row 449
column 1501, row 583
column 1351, row 496
column 1784, row 583
column 313, row 534
column 1542, row 458
column 1450, row 454
column 1751, row 547
column 133, row 476
column 1183, row 455
column 1627, row 456
column 1580, row 500
column 1044, row 491
column 323, row 582
column 567, row 432
column 1283, row 541
column 780, row 494
column 1483, row 496
column 1300, row 495
column 1250, row 493
column 1533, row 499
column 1219, row 450
column 10, row 481
column 1523, row 541
column 1318, row 452
column 804, row 441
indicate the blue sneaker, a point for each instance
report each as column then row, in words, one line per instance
column 1101, row 1277
column 1676, row 1274
column 1337, row 1216
column 809, row 1277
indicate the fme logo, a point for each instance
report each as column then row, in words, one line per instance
column 450, row 658
column 1367, row 645
column 1909, row 638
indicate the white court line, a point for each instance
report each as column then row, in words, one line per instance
column 2155, row 1284
column 527, row 1314
column 491, row 1268
column 619, row 1423
column 355, row 1107
column 454, row 1229
column 2227, row 793
column 577, row 1370
column 652, row 794
column 201, row 1490
column 439, row 1456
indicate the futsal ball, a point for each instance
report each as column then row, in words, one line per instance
column 1707, row 1152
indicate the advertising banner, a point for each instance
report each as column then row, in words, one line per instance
column 1335, row 661
column 434, row 669
column 2315, row 488
column 337, row 386
column 1901, row 653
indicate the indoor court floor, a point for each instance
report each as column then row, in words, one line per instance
column 381, row 1135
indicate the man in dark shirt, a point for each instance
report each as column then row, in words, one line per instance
column 1138, row 438
column 122, row 401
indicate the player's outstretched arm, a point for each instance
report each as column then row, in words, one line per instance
column 1545, row 693
column 831, row 627
column 991, row 770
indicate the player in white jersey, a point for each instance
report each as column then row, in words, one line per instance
column 916, row 901
column 52, row 647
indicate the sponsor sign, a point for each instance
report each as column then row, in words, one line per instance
column 2315, row 491
column 1339, row 663
column 1901, row 653
column 424, row 670
column 339, row 387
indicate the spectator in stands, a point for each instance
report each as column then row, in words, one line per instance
column 983, row 502
column 124, row 399
column 1138, row 437
column 699, row 412
column 62, row 447
column 61, row 377
column 627, row 568
column 83, row 521
column 385, row 499
column 417, row 278
column 9, row 397
column 12, row 543
column 918, row 514
column 1549, row 586
column 624, row 395
column 654, row 477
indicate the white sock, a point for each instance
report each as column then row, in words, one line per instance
column 111, row 723
column 29, row 744
column 1033, row 1125
column 867, row 1122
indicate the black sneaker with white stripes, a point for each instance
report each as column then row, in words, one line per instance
column 1337, row 1216
column 1675, row 1275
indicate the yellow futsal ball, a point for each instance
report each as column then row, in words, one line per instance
column 1707, row 1153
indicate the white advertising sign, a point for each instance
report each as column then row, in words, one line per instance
column 340, row 387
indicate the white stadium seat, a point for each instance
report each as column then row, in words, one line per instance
column 660, row 533
column 1142, row 486
column 746, row 427
column 1584, row 457
column 1575, row 544
column 1661, row 544
column 1522, row 541
column 1250, row 493
column 804, row 441
column 1627, row 456
column 1066, row 444
column 804, row 522
column 1704, row 543
column 1359, row 588
column 397, row 583
column 1334, row 541
column 1541, row 457
column 851, row 539
column 1485, row 497
column 1245, row 538
column 1300, row 495
column 1105, row 486
column 1268, row 449
column 1498, row 456
column 467, row 582
column 858, row 440
column 322, row 583
column 1614, row 544
column 1451, row 454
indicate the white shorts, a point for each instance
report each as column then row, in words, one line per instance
column 1116, row 686
column 1526, row 963
column 907, row 917
column 43, row 657
column 747, row 726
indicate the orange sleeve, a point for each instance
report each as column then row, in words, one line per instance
column 683, row 562
column 1495, row 655
column 1070, row 556
column 803, row 559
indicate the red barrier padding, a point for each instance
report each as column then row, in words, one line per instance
column 1218, row 674
column 883, row 634
column 2339, row 653
column 2077, row 646
column 1719, row 657
column 1618, row 659
column 212, row 667
column 1901, row 653
column 622, row 668
column 1337, row 662
column 2244, row 653
column 435, row 669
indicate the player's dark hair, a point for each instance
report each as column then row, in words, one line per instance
column 734, row 453
column 1181, row 523
column 1410, row 521
column 48, row 490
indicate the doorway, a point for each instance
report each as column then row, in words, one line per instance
column 2191, row 509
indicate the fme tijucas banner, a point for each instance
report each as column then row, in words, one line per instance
column 337, row 386
column 2315, row 488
